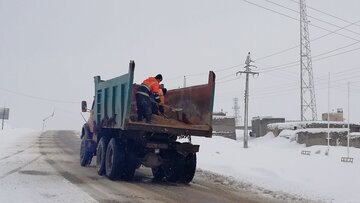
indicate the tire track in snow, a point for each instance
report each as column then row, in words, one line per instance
column 18, row 152
column 19, row 168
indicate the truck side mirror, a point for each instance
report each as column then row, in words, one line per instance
column 83, row 106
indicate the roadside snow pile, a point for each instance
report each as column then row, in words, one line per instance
column 302, row 124
column 25, row 176
column 276, row 164
column 14, row 140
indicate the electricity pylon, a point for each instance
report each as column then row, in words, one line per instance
column 307, row 95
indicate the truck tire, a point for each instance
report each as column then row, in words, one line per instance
column 101, row 155
column 118, row 163
column 128, row 171
column 174, row 171
column 158, row 173
column 189, row 168
column 113, row 159
column 85, row 155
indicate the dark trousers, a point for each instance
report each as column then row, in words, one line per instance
column 144, row 106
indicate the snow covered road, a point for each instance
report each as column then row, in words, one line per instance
column 61, row 151
column 25, row 176
column 44, row 167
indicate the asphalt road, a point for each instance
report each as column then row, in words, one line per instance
column 61, row 150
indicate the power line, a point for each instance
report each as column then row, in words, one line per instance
column 279, row 52
column 290, row 88
column 319, row 27
column 294, row 83
column 328, row 14
column 38, row 98
column 297, row 62
column 323, row 21
column 270, row 55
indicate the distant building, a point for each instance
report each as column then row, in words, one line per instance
column 338, row 116
column 223, row 125
column 259, row 125
column 315, row 132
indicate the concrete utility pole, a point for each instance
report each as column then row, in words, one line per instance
column 2, row 123
column 236, row 111
column 328, row 119
column 348, row 135
column 247, row 72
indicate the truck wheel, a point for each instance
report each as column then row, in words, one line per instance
column 158, row 173
column 85, row 154
column 114, row 159
column 174, row 171
column 129, row 166
column 189, row 168
column 101, row 155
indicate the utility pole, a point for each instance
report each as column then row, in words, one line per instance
column 247, row 72
column 236, row 111
column 328, row 120
column 348, row 135
column 307, row 90
column 52, row 115
column 3, row 117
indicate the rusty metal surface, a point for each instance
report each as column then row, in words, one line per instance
column 195, row 117
column 139, row 126
column 196, row 102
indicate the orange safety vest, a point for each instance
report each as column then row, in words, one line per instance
column 152, row 84
column 162, row 97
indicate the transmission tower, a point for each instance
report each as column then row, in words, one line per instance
column 236, row 111
column 308, row 102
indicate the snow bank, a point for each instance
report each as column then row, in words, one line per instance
column 300, row 124
column 276, row 163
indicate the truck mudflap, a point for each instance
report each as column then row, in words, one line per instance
column 179, row 147
column 187, row 148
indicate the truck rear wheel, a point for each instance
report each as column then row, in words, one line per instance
column 129, row 166
column 113, row 159
column 189, row 168
column 158, row 173
column 101, row 155
column 175, row 169
column 118, row 163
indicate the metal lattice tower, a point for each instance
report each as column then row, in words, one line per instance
column 308, row 102
column 236, row 111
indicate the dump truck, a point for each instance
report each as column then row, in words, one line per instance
column 122, row 144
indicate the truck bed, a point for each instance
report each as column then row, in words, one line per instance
column 115, row 107
column 161, row 124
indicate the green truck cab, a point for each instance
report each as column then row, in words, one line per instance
column 122, row 144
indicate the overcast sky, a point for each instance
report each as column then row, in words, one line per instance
column 50, row 51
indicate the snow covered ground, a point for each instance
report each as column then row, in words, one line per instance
column 276, row 164
column 26, row 177
column 270, row 163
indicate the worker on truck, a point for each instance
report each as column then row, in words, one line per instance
column 143, row 102
column 158, row 102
